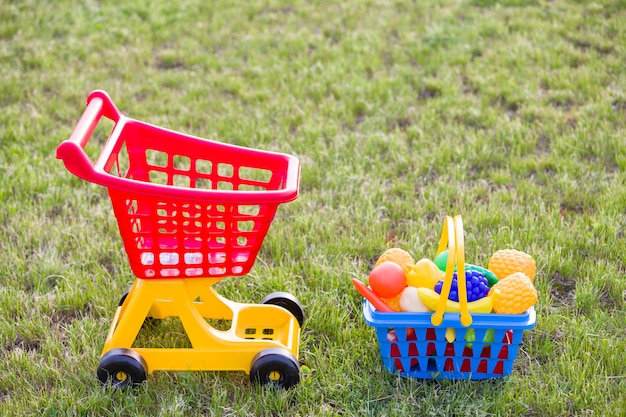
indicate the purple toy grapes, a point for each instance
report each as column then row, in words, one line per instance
column 476, row 284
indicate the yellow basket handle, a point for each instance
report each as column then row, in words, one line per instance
column 452, row 238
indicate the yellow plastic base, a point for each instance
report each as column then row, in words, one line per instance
column 254, row 327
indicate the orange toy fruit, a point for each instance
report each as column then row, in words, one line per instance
column 394, row 302
column 508, row 261
column 514, row 294
column 399, row 256
column 387, row 280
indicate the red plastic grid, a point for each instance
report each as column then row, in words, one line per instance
column 167, row 237
column 185, row 206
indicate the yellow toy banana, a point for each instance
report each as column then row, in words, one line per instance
column 430, row 299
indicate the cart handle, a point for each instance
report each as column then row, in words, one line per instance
column 72, row 150
column 76, row 160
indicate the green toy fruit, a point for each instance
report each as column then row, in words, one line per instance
column 441, row 260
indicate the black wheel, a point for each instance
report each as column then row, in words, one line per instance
column 123, row 297
column 288, row 302
column 275, row 367
column 121, row 368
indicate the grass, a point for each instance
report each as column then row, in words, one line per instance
column 511, row 113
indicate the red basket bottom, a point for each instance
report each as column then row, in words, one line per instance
column 166, row 238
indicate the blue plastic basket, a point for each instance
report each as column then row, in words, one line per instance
column 411, row 346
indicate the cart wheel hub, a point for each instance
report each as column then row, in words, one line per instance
column 274, row 376
column 121, row 376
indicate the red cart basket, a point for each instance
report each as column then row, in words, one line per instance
column 190, row 212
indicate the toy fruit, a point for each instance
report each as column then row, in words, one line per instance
column 489, row 336
column 431, row 299
column 491, row 277
column 392, row 336
column 450, row 336
column 470, row 336
column 475, row 283
column 399, row 256
column 505, row 262
column 375, row 300
column 441, row 260
column 424, row 274
column 410, row 301
column 387, row 279
column 393, row 303
column 515, row 294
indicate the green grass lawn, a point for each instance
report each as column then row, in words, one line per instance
column 511, row 113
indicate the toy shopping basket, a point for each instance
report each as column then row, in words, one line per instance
column 186, row 207
column 190, row 212
column 442, row 345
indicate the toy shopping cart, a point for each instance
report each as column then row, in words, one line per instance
column 449, row 345
column 190, row 212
